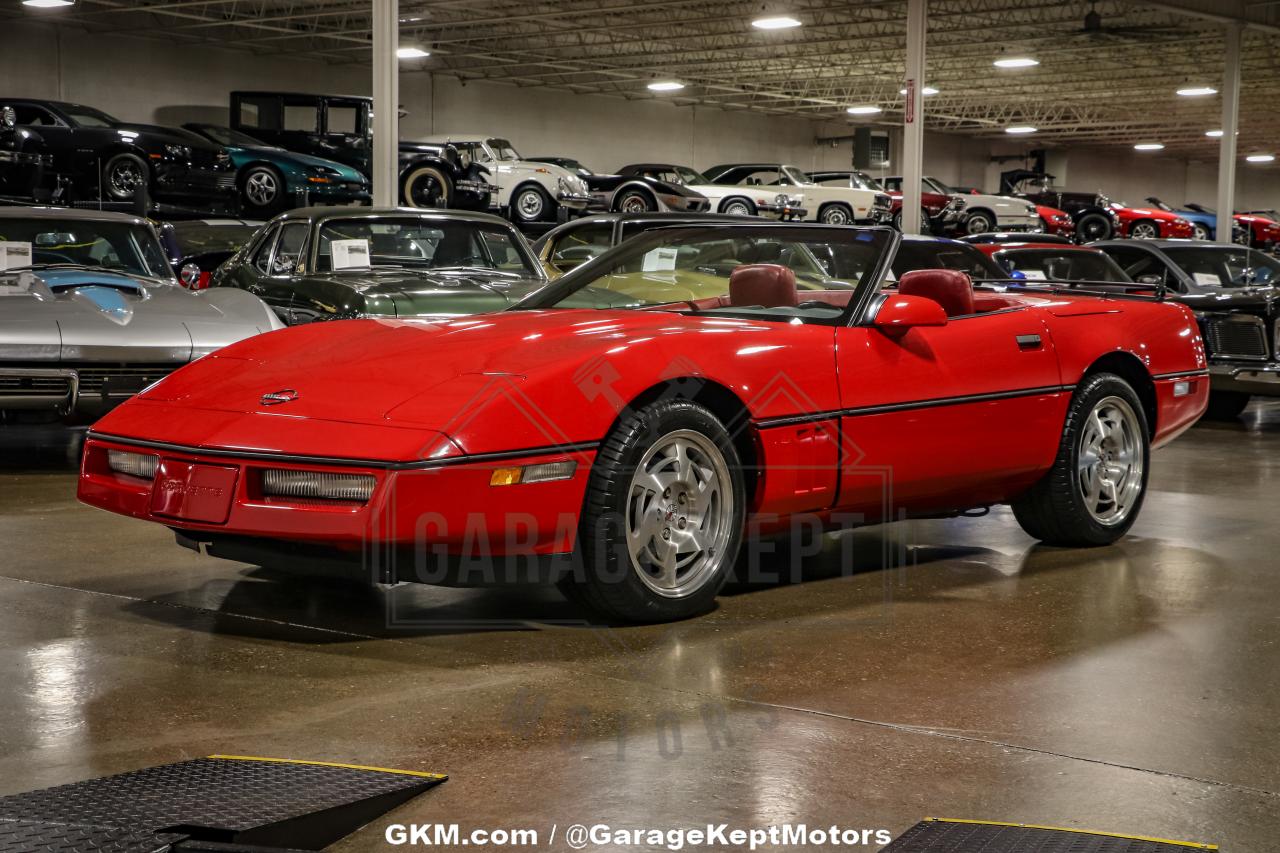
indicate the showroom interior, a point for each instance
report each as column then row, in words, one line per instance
column 965, row 668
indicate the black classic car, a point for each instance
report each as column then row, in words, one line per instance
column 333, row 263
column 633, row 193
column 92, row 156
column 1091, row 212
column 340, row 127
column 1233, row 291
column 22, row 161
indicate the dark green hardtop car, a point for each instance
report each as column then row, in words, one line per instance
column 324, row 263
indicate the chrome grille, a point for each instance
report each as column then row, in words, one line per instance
column 136, row 377
column 52, row 387
column 1236, row 337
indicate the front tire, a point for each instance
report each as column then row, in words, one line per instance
column 532, row 204
column 427, row 186
column 261, row 189
column 1226, row 405
column 636, row 201
column 835, row 214
column 1093, row 226
column 123, row 175
column 1199, row 232
column 979, row 222
column 663, row 516
column 738, row 207
column 1095, row 489
column 1144, row 231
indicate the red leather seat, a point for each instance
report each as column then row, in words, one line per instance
column 766, row 285
column 951, row 289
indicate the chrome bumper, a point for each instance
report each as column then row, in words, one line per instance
column 574, row 200
column 783, row 211
column 38, row 389
column 1261, row 378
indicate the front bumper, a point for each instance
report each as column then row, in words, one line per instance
column 81, row 393
column 422, row 521
column 782, row 211
column 575, row 201
column 1261, row 378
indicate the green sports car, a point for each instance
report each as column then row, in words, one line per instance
column 272, row 179
column 334, row 263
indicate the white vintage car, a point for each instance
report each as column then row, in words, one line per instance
column 834, row 205
column 528, row 191
column 738, row 201
column 983, row 212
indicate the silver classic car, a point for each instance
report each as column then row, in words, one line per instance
column 91, row 313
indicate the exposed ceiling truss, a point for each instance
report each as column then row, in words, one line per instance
column 1110, row 82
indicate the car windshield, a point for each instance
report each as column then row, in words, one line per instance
column 691, row 176
column 1064, row 264
column 124, row 247
column 936, row 186
column 227, row 136
column 795, row 176
column 928, row 255
column 356, row 244
column 1159, row 205
column 863, row 181
column 503, row 150
column 1224, row 266
column 689, row 270
column 89, row 117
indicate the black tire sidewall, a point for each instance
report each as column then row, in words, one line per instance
column 606, row 577
column 548, row 206
column 844, row 210
column 110, row 165
column 280, row 189
column 1086, row 238
column 650, row 207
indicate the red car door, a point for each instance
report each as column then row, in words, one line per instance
column 936, row 417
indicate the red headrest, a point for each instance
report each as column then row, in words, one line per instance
column 766, row 285
column 951, row 289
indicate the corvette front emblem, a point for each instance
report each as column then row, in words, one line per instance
column 275, row 398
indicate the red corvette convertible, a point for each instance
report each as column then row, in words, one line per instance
column 623, row 429
column 1151, row 223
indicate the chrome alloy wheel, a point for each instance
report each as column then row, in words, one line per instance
column 634, row 203
column 529, row 204
column 262, row 188
column 1144, row 231
column 1109, row 464
column 679, row 513
column 124, row 176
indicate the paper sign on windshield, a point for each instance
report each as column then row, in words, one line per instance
column 350, row 254
column 1034, row 275
column 14, row 254
column 662, row 258
column 1208, row 278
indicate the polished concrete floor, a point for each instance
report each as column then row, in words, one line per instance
column 1134, row 689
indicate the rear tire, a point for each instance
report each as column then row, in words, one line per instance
column 663, row 516
column 1093, row 226
column 738, row 207
column 979, row 222
column 835, row 214
column 1226, row 405
column 635, row 201
column 1095, row 489
column 531, row 203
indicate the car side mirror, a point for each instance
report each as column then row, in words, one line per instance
column 906, row 312
column 189, row 275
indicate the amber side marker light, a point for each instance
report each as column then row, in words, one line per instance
column 545, row 472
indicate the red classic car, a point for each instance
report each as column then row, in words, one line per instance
column 1057, row 222
column 622, row 430
column 1151, row 223
column 1263, row 231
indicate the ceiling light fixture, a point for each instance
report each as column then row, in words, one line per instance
column 862, row 111
column 775, row 22
column 1015, row 62
column 1196, row 91
column 1148, row 146
column 927, row 90
column 48, row 4
column 1020, row 128
column 666, row 86
column 1260, row 158
column 412, row 53
column 1214, row 133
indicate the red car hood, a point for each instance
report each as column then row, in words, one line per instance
column 1146, row 213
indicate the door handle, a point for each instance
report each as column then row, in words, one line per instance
column 1029, row 342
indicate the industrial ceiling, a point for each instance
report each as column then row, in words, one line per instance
column 1107, row 71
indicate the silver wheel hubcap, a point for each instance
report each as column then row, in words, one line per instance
column 1200, row 232
column 634, row 204
column 835, row 216
column 261, row 188
column 529, row 204
column 679, row 512
column 1143, row 232
column 1109, row 465
column 978, row 225
column 738, row 209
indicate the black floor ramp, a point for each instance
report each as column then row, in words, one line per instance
column 267, row 804
column 950, row 835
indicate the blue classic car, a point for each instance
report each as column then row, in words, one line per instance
column 1204, row 222
column 272, row 179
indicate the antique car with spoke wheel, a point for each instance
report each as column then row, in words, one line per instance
column 272, row 179
column 340, row 127
column 623, row 429
column 334, row 263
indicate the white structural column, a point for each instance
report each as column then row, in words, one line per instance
column 913, row 117
column 386, row 102
column 1230, row 120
